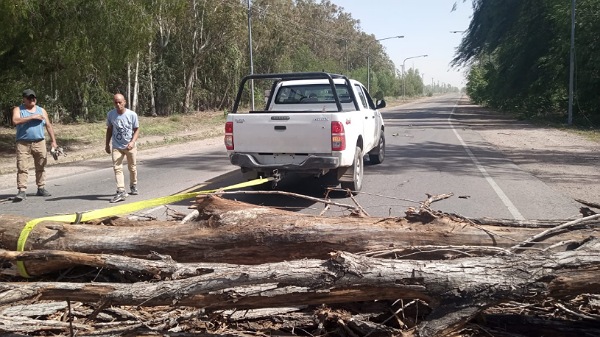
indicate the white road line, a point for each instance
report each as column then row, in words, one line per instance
column 511, row 207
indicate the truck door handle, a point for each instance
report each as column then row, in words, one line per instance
column 280, row 127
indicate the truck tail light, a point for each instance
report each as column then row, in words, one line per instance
column 338, row 136
column 229, row 135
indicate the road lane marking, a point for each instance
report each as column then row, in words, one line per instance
column 511, row 207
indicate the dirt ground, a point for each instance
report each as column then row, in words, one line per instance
column 565, row 161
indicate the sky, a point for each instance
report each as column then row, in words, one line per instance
column 426, row 27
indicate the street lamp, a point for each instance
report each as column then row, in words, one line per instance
column 404, row 75
column 369, row 58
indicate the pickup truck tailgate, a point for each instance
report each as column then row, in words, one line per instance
column 282, row 132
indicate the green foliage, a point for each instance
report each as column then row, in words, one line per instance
column 519, row 53
column 413, row 82
column 477, row 84
column 186, row 55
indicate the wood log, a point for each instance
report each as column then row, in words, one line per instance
column 456, row 289
column 233, row 232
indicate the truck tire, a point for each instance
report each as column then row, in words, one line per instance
column 354, row 175
column 377, row 155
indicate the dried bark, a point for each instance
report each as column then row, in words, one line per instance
column 232, row 258
column 233, row 232
column 456, row 289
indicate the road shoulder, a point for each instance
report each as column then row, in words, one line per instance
column 565, row 161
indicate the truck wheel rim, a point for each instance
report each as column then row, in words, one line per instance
column 358, row 169
column 381, row 148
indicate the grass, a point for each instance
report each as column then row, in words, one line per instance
column 591, row 134
column 582, row 127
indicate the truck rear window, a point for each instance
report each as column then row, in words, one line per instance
column 314, row 93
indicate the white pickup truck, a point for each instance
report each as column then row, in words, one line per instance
column 315, row 124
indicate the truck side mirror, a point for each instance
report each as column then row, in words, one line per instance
column 380, row 104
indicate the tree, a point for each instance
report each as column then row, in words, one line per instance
column 527, row 43
column 170, row 56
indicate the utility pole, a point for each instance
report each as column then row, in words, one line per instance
column 346, row 52
column 250, row 46
column 571, row 64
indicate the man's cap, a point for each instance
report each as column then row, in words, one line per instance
column 29, row 93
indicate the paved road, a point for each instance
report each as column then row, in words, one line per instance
column 89, row 185
column 431, row 150
column 428, row 152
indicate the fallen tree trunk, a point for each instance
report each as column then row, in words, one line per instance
column 234, row 232
column 478, row 265
column 456, row 289
column 505, row 277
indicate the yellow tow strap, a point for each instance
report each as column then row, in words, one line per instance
column 117, row 210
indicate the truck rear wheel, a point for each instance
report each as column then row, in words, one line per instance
column 353, row 178
column 377, row 155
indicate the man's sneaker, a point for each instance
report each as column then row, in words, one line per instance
column 21, row 195
column 134, row 190
column 120, row 196
column 42, row 192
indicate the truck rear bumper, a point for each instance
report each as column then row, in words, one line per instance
column 311, row 163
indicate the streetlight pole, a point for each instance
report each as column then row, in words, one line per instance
column 404, row 75
column 369, row 58
column 346, row 55
column 346, row 52
column 571, row 64
column 250, row 47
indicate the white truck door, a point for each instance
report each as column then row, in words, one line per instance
column 370, row 120
column 378, row 117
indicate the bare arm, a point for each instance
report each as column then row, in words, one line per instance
column 17, row 119
column 109, row 131
column 50, row 129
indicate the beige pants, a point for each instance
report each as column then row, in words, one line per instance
column 117, row 158
column 26, row 150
